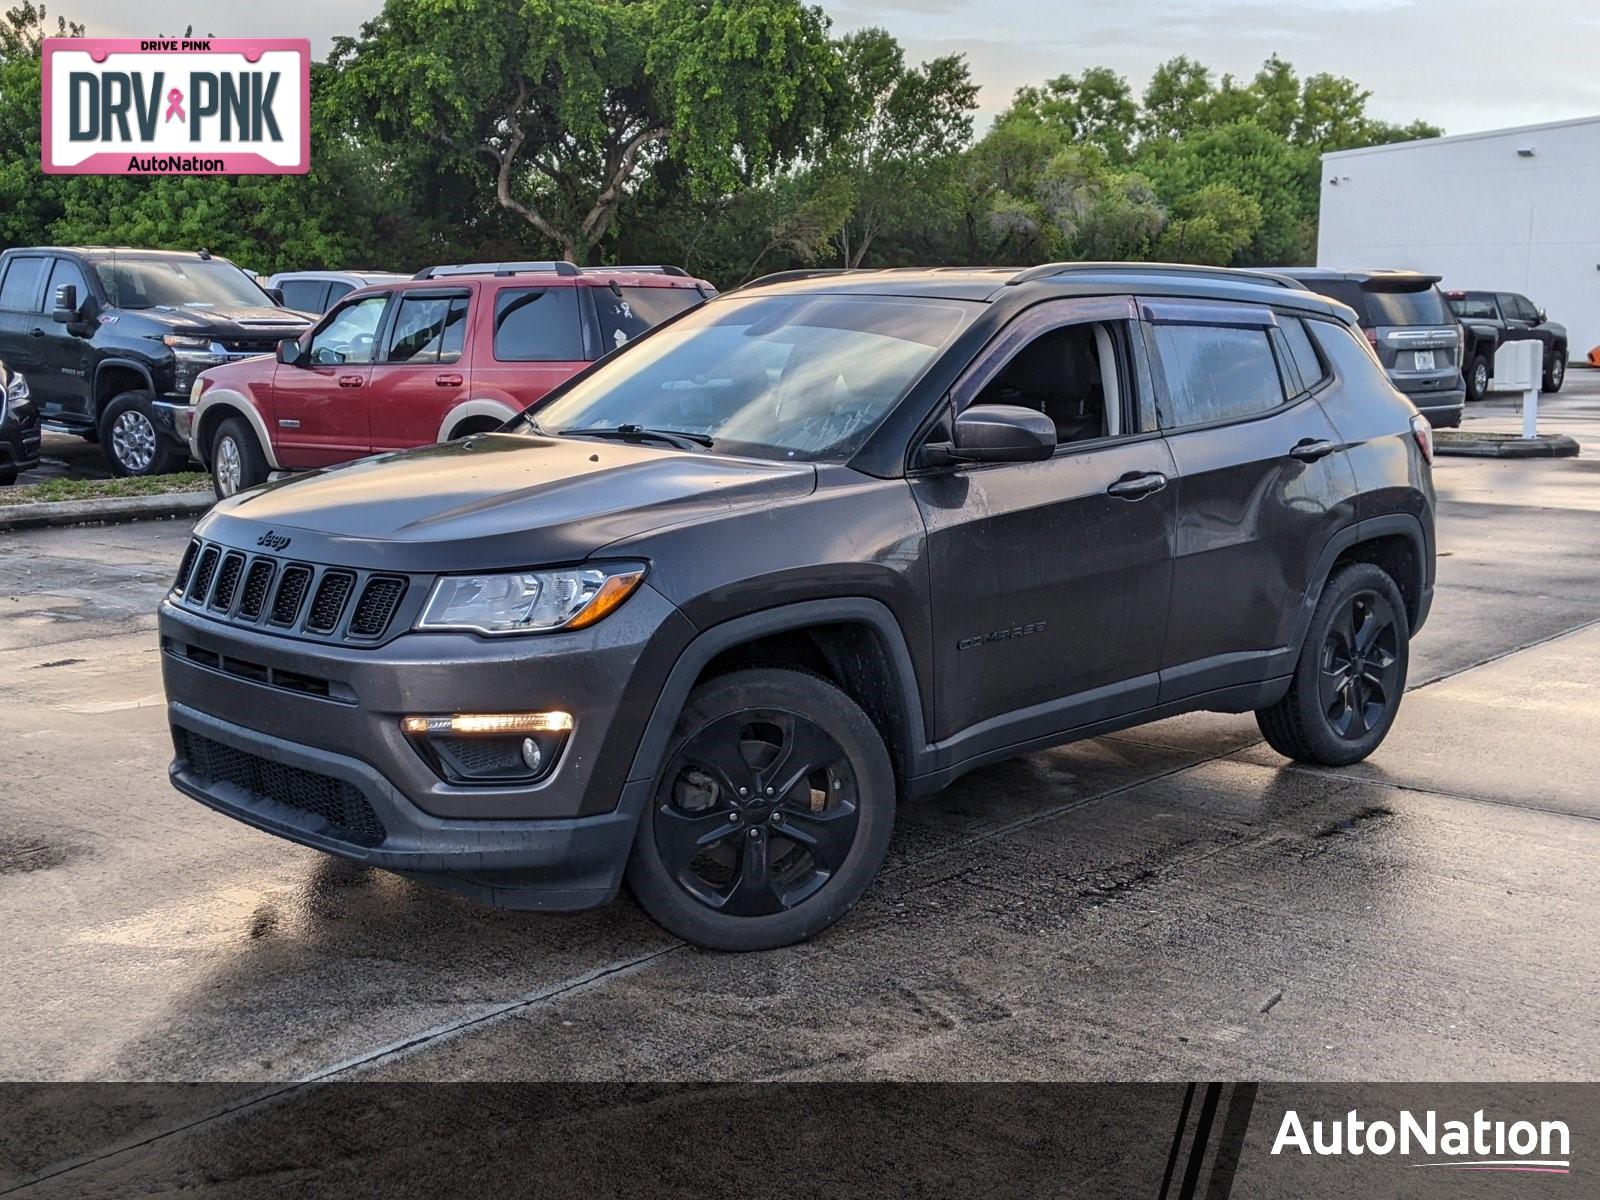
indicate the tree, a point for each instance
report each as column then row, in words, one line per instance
column 905, row 128
column 559, row 107
column 29, row 199
column 1210, row 225
column 1096, row 107
column 1175, row 99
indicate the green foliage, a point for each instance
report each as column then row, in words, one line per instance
column 1096, row 107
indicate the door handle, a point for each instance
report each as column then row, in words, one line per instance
column 1136, row 485
column 447, row 380
column 350, row 381
column 1308, row 450
column 35, row 332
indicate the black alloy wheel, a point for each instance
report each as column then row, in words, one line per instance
column 770, row 815
column 1360, row 665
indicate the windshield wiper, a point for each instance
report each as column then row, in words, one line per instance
column 682, row 439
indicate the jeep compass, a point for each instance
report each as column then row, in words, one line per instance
column 810, row 550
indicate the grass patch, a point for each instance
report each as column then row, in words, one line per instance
column 104, row 489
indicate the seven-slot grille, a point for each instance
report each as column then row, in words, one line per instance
column 326, row 603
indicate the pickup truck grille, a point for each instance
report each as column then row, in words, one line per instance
column 286, row 596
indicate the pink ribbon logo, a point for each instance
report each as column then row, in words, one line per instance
column 175, row 105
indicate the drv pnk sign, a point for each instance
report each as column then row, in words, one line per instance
column 177, row 106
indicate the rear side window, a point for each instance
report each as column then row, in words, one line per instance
column 1302, row 352
column 428, row 329
column 1349, row 353
column 1426, row 307
column 1475, row 308
column 1216, row 373
column 305, row 295
column 537, row 325
column 20, row 288
column 624, row 317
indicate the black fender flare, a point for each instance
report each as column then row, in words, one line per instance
column 128, row 364
column 859, row 610
column 1404, row 524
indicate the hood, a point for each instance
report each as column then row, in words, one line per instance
column 227, row 320
column 496, row 501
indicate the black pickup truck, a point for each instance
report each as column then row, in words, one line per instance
column 1489, row 320
column 111, row 340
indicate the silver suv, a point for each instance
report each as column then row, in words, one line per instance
column 1415, row 334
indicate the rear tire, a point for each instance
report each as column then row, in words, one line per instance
column 1347, row 685
column 1555, row 368
column 236, row 459
column 130, row 439
column 1476, row 377
column 726, row 861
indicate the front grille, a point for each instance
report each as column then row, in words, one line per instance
column 200, row 585
column 291, row 591
column 298, row 599
column 336, row 802
column 227, row 581
column 255, row 588
column 376, row 606
column 328, row 604
column 257, row 343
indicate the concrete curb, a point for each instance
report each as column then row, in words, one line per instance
column 1461, row 444
column 105, row 511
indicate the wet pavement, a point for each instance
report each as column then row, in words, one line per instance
column 1166, row 903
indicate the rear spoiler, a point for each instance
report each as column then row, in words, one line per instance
column 1407, row 282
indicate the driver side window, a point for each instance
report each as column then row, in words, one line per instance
column 348, row 337
column 1070, row 374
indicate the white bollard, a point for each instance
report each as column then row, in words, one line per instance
column 1518, row 367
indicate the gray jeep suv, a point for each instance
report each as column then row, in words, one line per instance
column 701, row 619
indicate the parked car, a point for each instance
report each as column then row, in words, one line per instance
column 19, row 426
column 455, row 351
column 826, row 541
column 1491, row 319
column 316, row 292
column 111, row 340
column 1413, row 332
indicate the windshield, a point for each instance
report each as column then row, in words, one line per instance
column 176, row 283
column 805, row 376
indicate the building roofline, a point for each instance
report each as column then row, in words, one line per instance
column 1461, row 137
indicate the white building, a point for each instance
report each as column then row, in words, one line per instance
column 1513, row 210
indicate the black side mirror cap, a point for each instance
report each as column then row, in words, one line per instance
column 1003, row 433
column 64, row 309
column 291, row 353
column 277, row 296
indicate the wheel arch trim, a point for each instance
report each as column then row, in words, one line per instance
column 1388, row 525
column 230, row 401
column 789, row 618
column 477, row 407
column 117, row 364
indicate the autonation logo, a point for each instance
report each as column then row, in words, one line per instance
column 1476, row 1145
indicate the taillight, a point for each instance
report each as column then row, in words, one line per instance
column 1422, row 434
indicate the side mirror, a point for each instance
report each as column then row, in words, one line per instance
column 1003, row 433
column 1542, row 316
column 276, row 294
column 291, row 353
column 64, row 309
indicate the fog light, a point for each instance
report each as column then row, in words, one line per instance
column 531, row 754
column 491, row 724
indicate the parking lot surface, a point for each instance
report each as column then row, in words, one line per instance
column 1171, row 902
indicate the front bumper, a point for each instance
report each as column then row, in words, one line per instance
column 174, row 419
column 20, row 445
column 561, row 842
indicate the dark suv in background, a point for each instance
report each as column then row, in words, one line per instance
column 1490, row 320
column 1415, row 335
column 823, row 544
column 111, row 340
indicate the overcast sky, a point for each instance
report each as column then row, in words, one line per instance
column 1463, row 64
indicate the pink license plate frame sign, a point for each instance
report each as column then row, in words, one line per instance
column 176, row 106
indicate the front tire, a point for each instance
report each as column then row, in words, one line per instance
column 770, row 816
column 130, row 439
column 1347, row 685
column 236, row 459
column 1555, row 368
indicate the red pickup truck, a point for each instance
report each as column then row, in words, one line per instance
column 454, row 351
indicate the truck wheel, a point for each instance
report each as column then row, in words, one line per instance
column 1477, row 377
column 1555, row 368
column 8, row 475
column 131, row 440
column 236, row 459
column 1347, row 686
column 770, row 816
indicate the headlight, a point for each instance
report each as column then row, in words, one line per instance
column 529, row 601
column 17, row 396
column 179, row 341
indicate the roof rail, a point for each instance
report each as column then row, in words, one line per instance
column 804, row 273
column 1236, row 274
column 549, row 267
column 656, row 269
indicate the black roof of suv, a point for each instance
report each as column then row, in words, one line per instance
column 701, row 617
